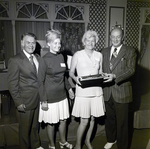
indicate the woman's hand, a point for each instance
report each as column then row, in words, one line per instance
column 71, row 93
column 44, row 105
column 77, row 81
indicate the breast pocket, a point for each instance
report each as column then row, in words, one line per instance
column 123, row 63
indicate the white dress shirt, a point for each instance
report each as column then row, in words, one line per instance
column 112, row 50
column 34, row 59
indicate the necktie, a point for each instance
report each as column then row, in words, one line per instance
column 114, row 55
column 33, row 64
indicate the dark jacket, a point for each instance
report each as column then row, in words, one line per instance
column 123, row 68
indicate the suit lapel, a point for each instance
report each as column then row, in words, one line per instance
column 119, row 56
column 38, row 59
column 107, row 61
column 26, row 63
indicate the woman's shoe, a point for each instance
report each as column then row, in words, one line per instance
column 51, row 147
column 66, row 145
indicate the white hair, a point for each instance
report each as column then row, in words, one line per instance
column 89, row 34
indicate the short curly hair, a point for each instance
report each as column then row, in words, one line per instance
column 52, row 34
column 29, row 34
column 89, row 34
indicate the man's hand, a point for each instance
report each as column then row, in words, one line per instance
column 21, row 108
column 44, row 106
column 71, row 93
column 109, row 77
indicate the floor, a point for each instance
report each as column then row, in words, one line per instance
column 139, row 137
column 139, row 141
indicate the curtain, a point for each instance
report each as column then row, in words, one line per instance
column 144, row 68
column 71, row 36
column 38, row 28
column 8, row 41
column 145, row 47
column 21, row 28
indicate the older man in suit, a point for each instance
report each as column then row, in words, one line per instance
column 118, row 66
column 24, row 87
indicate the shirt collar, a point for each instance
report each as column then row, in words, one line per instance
column 112, row 50
column 27, row 54
column 118, row 48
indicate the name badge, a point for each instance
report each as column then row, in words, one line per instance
column 62, row 64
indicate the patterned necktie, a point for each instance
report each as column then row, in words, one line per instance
column 33, row 64
column 113, row 57
column 114, row 54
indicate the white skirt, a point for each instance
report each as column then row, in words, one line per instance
column 56, row 112
column 85, row 107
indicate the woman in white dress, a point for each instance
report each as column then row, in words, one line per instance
column 89, row 102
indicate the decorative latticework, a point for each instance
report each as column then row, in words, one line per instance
column 71, row 36
column 147, row 16
column 4, row 6
column 133, row 23
column 71, row 17
column 32, row 11
column 69, row 12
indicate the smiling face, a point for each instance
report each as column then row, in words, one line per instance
column 28, row 44
column 55, row 45
column 116, row 37
column 90, row 43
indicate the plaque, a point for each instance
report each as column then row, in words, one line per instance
column 91, row 81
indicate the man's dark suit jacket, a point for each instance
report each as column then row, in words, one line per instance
column 123, row 68
column 23, row 82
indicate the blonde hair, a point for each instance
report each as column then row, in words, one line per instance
column 51, row 35
column 89, row 34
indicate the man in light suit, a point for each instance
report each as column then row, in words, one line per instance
column 118, row 66
column 24, row 88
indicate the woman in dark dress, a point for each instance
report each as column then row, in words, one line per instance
column 54, row 103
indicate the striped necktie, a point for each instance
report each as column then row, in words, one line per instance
column 113, row 57
column 114, row 54
column 33, row 64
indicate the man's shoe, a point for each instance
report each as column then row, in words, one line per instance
column 109, row 145
column 40, row 147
